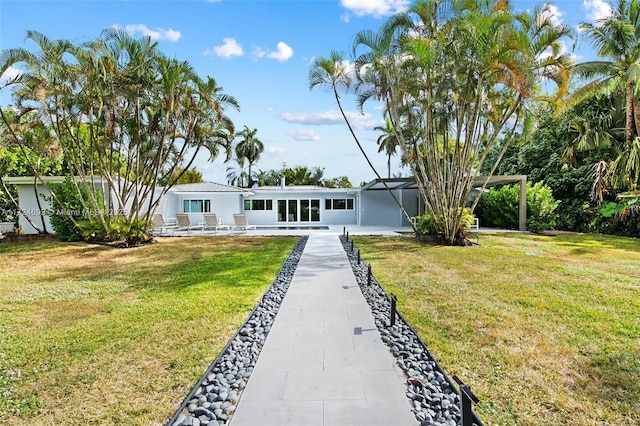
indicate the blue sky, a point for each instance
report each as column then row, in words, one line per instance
column 260, row 52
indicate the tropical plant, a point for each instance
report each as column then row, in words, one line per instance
column 499, row 207
column 463, row 75
column 239, row 175
column 121, row 112
column 249, row 147
column 334, row 72
column 430, row 224
column 181, row 177
column 301, row 175
column 616, row 39
column 67, row 210
column 387, row 142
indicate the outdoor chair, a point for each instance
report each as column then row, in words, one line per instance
column 163, row 226
column 211, row 221
column 242, row 224
column 184, row 223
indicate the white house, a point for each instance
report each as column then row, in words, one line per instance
column 280, row 206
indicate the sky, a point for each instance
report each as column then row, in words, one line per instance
column 260, row 52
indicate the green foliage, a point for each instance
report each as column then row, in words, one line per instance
column 500, row 206
column 338, row 182
column 301, row 175
column 611, row 209
column 8, row 211
column 66, row 206
column 101, row 129
column 430, row 224
column 118, row 228
column 551, row 156
column 188, row 176
column 541, row 206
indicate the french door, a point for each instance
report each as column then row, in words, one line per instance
column 307, row 210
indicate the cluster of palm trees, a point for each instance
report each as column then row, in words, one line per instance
column 115, row 108
column 460, row 79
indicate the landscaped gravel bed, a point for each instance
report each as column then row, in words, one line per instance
column 433, row 396
column 214, row 398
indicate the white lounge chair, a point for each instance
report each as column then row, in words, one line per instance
column 242, row 224
column 163, row 226
column 211, row 221
column 184, row 224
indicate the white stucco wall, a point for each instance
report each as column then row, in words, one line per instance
column 327, row 217
column 29, row 204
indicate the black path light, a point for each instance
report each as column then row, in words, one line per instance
column 466, row 399
column 392, row 318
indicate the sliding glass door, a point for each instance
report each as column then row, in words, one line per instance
column 299, row 210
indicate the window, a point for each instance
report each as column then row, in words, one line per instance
column 338, row 204
column 196, row 206
column 258, row 204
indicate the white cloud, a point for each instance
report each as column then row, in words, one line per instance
column 357, row 120
column 275, row 150
column 228, row 49
column 554, row 14
column 10, row 73
column 376, row 8
column 258, row 53
column 157, row 34
column 345, row 17
column 303, row 135
column 283, row 53
column 596, row 9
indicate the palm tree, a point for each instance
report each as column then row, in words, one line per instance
column 238, row 176
column 123, row 111
column 249, row 147
column 616, row 39
column 333, row 72
column 462, row 75
column 387, row 142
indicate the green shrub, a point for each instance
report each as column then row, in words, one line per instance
column 65, row 205
column 119, row 228
column 499, row 208
column 432, row 224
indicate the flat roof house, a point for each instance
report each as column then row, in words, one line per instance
column 281, row 206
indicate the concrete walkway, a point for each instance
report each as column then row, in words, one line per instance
column 323, row 362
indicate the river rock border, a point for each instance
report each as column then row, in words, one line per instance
column 213, row 399
column 433, row 396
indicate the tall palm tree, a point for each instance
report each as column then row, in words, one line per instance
column 249, row 147
column 387, row 142
column 616, row 39
column 334, row 73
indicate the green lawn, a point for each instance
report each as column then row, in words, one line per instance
column 546, row 330
column 96, row 335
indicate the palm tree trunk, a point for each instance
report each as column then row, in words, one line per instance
column 629, row 116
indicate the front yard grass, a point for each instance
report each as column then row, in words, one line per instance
column 546, row 330
column 96, row 335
